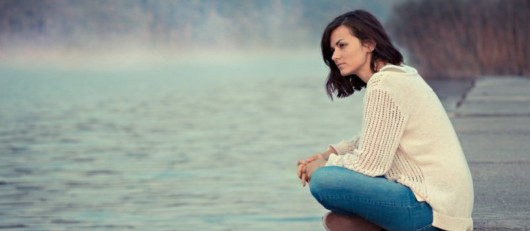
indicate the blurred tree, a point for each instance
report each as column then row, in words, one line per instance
column 464, row 38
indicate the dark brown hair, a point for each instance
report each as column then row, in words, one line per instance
column 366, row 28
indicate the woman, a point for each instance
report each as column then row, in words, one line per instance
column 406, row 170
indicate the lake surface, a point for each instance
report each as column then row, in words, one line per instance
column 175, row 145
column 170, row 145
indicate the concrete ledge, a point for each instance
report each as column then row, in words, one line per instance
column 492, row 120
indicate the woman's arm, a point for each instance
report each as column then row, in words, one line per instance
column 383, row 126
column 328, row 152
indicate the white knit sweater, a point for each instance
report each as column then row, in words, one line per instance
column 407, row 137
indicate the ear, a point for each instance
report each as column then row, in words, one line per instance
column 370, row 44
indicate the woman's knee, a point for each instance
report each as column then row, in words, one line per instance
column 327, row 187
column 332, row 181
column 321, row 180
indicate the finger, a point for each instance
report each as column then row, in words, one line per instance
column 306, row 176
column 306, row 179
column 299, row 171
column 311, row 158
column 303, row 176
column 302, row 172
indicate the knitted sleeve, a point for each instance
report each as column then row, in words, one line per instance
column 345, row 146
column 383, row 125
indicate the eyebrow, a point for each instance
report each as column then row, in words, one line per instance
column 337, row 43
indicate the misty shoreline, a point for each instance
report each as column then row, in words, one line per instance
column 113, row 59
column 131, row 58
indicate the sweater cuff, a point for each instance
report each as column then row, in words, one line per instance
column 342, row 147
column 335, row 160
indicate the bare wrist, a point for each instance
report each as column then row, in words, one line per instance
column 328, row 152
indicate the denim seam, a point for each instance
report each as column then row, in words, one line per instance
column 369, row 202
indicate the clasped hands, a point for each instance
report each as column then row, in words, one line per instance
column 308, row 166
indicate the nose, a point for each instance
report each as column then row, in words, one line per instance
column 335, row 56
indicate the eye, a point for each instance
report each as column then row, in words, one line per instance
column 342, row 45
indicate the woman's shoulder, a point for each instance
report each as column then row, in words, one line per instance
column 401, row 82
column 392, row 76
column 398, row 69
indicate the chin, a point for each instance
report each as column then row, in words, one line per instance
column 346, row 73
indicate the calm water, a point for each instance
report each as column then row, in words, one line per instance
column 177, row 145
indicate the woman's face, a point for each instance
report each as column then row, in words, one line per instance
column 349, row 54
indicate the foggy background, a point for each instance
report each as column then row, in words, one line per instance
column 175, row 25
column 455, row 38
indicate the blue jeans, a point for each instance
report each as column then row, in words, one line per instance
column 388, row 204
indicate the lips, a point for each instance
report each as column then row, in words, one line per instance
column 339, row 65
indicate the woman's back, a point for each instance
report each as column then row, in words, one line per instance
column 429, row 158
